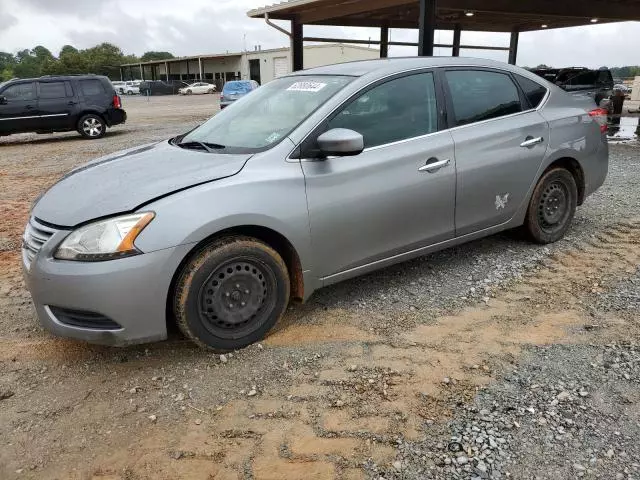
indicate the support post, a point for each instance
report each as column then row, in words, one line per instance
column 121, row 74
column 200, row 67
column 297, row 62
column 141, row 72
column 513, row 46
column 188, row 73
column 166, row 70
column 384, row 42
column 457, row 30
column 130, row 72
column 427, row 28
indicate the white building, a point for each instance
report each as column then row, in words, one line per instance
column 260, row 65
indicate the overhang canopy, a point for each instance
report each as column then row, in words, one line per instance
column 476, row 15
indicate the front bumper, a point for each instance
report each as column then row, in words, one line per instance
column 132, row 292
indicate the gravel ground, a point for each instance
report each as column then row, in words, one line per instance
column 352, row 384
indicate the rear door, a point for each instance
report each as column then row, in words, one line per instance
column 500, row 142
column 19, row 108
column 56, row 104
column 398, row 195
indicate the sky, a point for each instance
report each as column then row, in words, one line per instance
column 194, row 27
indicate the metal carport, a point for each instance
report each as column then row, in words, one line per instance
column 512, row 16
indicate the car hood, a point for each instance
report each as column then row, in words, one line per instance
column 123, row 181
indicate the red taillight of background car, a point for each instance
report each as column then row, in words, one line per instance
column 600, row 116
column 117, row 103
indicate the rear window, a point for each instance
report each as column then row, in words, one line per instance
column 532, row 90
column 237, row 87
column 52, row 90
column 92, row 87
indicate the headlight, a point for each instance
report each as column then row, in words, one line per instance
column 105, row 239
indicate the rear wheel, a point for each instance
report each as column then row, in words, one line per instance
column 91, row 126
column 552, row 206
column 231, row 293
column 210, row 90
column 189, row 92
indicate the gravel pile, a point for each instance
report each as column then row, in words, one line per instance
column 565, row 412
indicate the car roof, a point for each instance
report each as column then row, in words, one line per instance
column 398, row 64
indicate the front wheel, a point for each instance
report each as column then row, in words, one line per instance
column 189, row 92
column 91, row 126
column 231, row 293
column 211, row 90
column 552, row 206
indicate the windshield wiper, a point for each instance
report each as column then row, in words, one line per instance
column 209, row 147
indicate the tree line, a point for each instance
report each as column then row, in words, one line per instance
column 103, row 59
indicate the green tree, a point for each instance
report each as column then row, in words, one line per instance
column 151, row 56
column 7, row 61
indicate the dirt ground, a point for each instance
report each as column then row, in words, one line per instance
column 330, row 391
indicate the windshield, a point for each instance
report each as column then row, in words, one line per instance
column 267, row 114
column 237, row 87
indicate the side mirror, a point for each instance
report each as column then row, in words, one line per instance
column 3, row 100
column 341, row 142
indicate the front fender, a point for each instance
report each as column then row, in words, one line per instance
column 269, row 192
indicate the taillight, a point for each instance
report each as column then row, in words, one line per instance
column 116, row 101
column 221, row 97
column 600, row 116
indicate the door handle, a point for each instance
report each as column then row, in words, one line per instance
column 434, row 164
column 72, row 103
column 28, row 107
column 531, row 142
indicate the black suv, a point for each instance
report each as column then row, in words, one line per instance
column 86, row 103
column 598, row 84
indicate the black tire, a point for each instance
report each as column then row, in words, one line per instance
column 189, row 92
column 552, row 206
column 92, row 126
column 210, row 91
column 243, row 271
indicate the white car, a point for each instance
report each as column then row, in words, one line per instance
column 132, row 88
column 197, row 88
column 120, row 87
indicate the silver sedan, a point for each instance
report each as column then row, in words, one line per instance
column 314, row 178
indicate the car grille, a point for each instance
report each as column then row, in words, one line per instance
column 78, row 318
column 35, row 236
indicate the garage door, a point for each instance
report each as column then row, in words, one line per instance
column 280, row 66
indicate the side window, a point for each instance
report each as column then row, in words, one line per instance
column 396, row 110
column 91, row 87
column 532, row 90
column 481, row 95
column 588, row 78
column 52, row 90
column 21, row 91
column 68, row 89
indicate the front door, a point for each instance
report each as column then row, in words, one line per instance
column 56, row 104
column 500, row 142
column 18, row 108
column 385, row 201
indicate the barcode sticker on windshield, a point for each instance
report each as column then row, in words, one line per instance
column 307, row 87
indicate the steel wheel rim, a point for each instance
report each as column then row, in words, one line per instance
column 238, row 295
column 92, row 127
column 553, row 207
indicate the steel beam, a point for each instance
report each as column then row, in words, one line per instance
column 297, row 61
column 513, row 46
column 457, row 30
column 427, row 25
column 384, row 42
